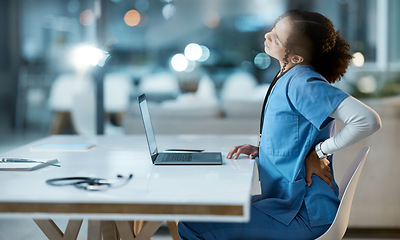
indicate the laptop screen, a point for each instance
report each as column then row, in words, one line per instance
column 151, row 139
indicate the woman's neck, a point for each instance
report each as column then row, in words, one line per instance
column 285, row 69
column 289, row 65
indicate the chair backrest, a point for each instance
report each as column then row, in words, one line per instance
column 62, row 93
column 83, row 112
column 347, row 189
column 117, row 90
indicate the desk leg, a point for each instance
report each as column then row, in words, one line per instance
column 49, row 228
column 137, row 226
column 145, row 232
column 109, row 230
column 94, row 230
column 172, row 227
column 148, row 230
column 125, row 230
column 72, row 230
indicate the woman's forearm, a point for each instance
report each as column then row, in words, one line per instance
column 360, row 121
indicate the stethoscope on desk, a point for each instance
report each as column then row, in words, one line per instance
column 90, row 183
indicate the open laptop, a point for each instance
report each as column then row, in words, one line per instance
column 172, row 158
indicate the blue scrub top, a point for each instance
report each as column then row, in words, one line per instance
column 296, row 119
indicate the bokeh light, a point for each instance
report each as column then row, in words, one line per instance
column 262, row 60
column 193, row 52
column 367, row 84
column 179, row 62
column 87, row 18
column 132, row 18
column 83, row 56
column 358, row 59
column 205, row 54
column 168, row 11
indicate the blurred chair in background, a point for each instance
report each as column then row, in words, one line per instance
column 62, row 93
column 241, row 97
column 200, row 104
column 160, row 86
column 117, row 91
column 72, row 99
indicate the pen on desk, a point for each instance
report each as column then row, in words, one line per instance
column 25, row 160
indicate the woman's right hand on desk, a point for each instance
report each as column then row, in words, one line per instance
column 247, row 149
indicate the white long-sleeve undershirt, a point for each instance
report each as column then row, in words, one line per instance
column 360, row 121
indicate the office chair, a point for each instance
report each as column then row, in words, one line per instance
column 347, row 189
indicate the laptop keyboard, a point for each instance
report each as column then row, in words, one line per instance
column 179, row 157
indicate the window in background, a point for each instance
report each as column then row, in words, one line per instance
column 394, row 33
column 371, row 28
column 359, row 21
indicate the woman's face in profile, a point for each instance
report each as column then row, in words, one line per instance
column 275, row 40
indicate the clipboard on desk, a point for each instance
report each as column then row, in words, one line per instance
column 20, row 164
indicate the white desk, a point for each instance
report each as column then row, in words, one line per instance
column 156, row 193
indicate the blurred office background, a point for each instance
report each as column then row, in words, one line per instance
column 77, row 66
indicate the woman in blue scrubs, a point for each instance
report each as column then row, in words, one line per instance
column 299, row 196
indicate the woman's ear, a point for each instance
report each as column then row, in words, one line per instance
column 296, row 59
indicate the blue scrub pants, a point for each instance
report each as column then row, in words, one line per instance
column 260, row 226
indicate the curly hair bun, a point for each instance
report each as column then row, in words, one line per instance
column 314, row 37
column 333, row 64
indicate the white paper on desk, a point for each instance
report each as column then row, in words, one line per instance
column 26, row 166
column 62, row 147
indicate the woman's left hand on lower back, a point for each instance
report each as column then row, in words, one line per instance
column 319, row 167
